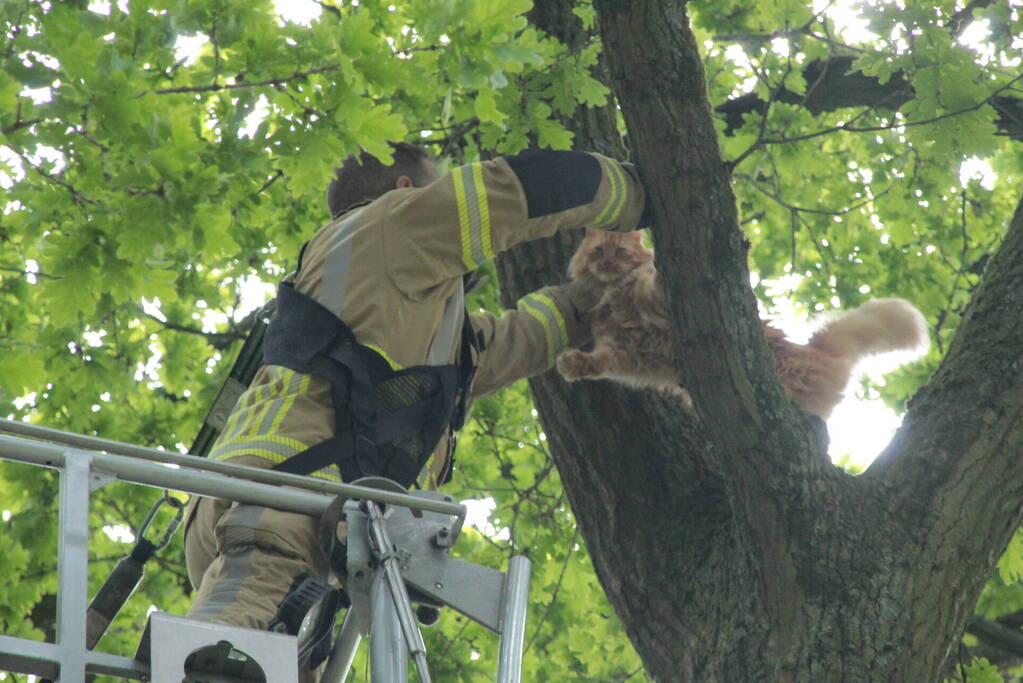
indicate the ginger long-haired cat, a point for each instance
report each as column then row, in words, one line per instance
column 633, row 343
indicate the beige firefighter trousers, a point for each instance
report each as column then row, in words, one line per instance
column 242, row 560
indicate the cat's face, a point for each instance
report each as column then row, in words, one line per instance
column 608, row 256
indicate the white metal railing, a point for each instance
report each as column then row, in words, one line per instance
column 84, row 468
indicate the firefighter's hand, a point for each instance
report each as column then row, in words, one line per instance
column 582, row 295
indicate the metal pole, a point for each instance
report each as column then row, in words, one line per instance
column 73, row 568
column 513, row 620
column 179, row 479
column 193, row 479
column 343, row 652
column 387, row 662
column 232, row 469
column 403, row 606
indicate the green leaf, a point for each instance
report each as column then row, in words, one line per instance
column 70, row 297
column 486, row 108
column 20, row 372
column 9, row 91
column 1010, row 565
column 587, row 14
column 215, row 221
column 158, row 284
column 981, row 670
column 554, row 135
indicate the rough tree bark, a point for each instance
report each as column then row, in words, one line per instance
column 728, row 544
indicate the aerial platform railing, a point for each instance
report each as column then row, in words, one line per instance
column 419, row 528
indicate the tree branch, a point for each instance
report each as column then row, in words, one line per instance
column 953, row 471
column 76, row 196
column 900, row 124
column 802, row 209
column 725, row 361
column 835, row 86
column 995, row 634
column 18, row 125
column 218, row 340
column 271, row 181
column 26, row 273
column 246, row 84
column 982, row 367
column 557, row 589
column 962, row 19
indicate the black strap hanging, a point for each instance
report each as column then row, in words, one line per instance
column 126, row 575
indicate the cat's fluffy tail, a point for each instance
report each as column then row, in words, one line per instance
column 878, row 326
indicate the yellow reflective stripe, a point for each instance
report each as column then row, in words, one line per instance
column 394, row 364
column 288, row 382
column 261, row 412
column 544, row 310
column 558, row 318
column 427, row 480
column 238, row 413
column 275, row 458
column 248, row 409
column 616, row 201
column 553, row 313
column 616, row 170
column 268, row 402
column 473, row 214
column 232, row 420
column 263, row 407
column 463, row 219
column 484, row 211
column 289, row 400
column 282, row 446
column 547, row 331
column 327, row 474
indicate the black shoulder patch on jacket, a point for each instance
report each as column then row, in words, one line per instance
column 556, row 180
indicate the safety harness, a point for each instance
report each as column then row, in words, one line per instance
column 387, row 422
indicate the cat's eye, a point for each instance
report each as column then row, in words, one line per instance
column 598, row 251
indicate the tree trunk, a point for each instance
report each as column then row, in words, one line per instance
column 728, row 544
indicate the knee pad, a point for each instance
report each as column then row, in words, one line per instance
column 308, row 612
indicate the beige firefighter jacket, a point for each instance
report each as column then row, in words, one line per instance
column 392, row 271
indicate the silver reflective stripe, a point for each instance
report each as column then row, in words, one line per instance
column 240, row 524
column 443, row 345
column 337, row 262
column 473, row 214
column 475, row 224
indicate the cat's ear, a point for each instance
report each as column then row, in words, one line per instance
column 636, row 236
column 590, row 232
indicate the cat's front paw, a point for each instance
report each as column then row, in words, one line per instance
column 575, row 364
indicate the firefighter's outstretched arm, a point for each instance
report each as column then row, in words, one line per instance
column 527, row 340
column 478, row 210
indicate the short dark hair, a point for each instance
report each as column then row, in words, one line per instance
column 364, row 177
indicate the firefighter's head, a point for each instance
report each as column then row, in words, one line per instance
column 364, row 177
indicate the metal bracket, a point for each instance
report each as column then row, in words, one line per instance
column 436, row 577
column 98, row 480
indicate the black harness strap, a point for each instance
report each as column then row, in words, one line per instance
column 369, row 438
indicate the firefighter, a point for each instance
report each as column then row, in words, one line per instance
column 371, row 360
